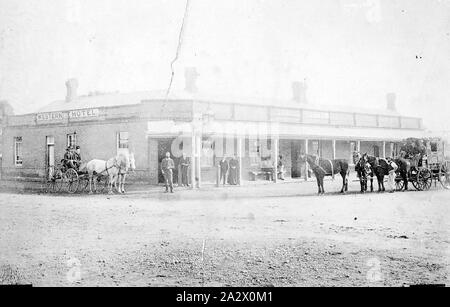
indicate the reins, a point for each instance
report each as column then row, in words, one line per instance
column 108, row 168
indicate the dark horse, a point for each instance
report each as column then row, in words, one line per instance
column 379, row 167
column 364, row 171
column 323, row 167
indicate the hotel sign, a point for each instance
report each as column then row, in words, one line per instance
column 51, row 117
column 84, row 114
column 63, row 117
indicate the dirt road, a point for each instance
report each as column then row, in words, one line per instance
column 254, row 236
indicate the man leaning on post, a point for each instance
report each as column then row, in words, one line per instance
column 167, row 166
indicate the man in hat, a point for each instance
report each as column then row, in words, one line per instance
column 68, row 157
column 392, row 169
column 167, row 166
column 280, row 168
column 234, row 169
column 224, row 166
column 184, row 162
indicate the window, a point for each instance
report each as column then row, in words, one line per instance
column 18, row 151
column 315, row 147
column 259, row 150
column 71, row 140
column 122, row 140
column 434, row 146
column 50, row 140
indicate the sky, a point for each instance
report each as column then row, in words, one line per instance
column 349, row 52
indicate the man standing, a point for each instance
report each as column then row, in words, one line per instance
column 392, row 169
column 184, row 162
column 167, row 166
column 234, row 164
column 224, row 166
column 280, row 169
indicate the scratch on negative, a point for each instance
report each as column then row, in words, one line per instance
column 180, row 42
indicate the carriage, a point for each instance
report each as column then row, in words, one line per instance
column 431, row 166
column 61, row 178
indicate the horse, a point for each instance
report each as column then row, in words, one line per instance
column 131, row 165
column 110, row 168
column 363, row 170
column 380, row 168
column 323, row 167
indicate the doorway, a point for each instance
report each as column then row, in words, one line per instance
column 165, row 145
column 376, row 151
column 297, row 164
column 50, row 163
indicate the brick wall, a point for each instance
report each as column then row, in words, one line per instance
column 97, row 140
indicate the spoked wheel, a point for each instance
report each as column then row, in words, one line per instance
column 102, row 184
column 424, row 179
column 413, row 176
column 399, row 184
column 71, row 181
column 444, row 175
column 54, row 184
column 83, row 185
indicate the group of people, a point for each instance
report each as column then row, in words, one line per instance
column 229, row 171
column 72, row 157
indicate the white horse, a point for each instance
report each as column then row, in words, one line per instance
column 111, row 168
column 131, row 165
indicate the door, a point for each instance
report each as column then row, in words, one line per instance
column 296, row 151
column 376, row 151
column 50, row 156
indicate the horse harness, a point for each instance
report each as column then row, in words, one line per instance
column 114, row 165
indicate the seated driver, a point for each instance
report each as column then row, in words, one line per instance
column 69, row 158
column 77, row 157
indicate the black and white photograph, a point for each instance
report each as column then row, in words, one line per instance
column 224, row 144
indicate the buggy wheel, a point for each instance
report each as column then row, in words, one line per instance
column 50, row 186
column 57, row 181
column 102, row 184
column 71, row 180
column 83, row 185
column 417, row 185
column 424, row 179
column 444, row 175
column 399, row 184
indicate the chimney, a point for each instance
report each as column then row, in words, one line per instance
column 390, row 101
column 190, row 76
column 71, row 86
column 299, row 91
column 5, row 109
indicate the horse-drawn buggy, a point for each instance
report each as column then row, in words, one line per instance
column 61, row 178
column 96, row 176
column 428, row 163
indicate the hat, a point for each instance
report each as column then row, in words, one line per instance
column 78, row 147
